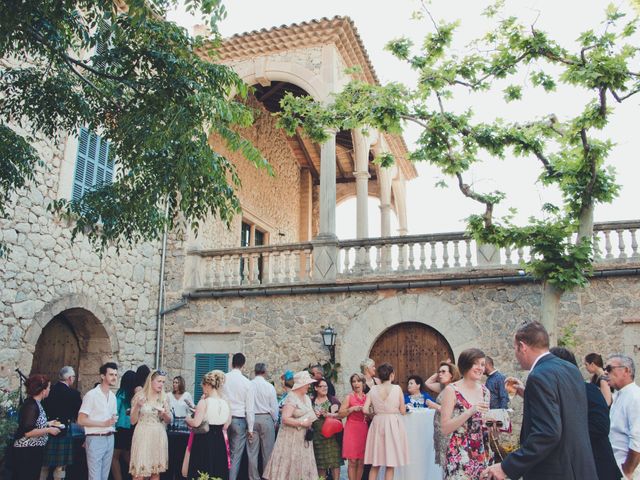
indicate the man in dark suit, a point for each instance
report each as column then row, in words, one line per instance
column 62, row 404
column 554, row 440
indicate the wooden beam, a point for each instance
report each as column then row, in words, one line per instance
column 310, row 164
column 272, row 91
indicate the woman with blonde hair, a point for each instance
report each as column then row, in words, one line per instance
column 150, row 413
column 368, row 369
column 208, row 451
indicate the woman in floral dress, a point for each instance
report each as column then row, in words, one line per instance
column 327, row 451
column 463, row 405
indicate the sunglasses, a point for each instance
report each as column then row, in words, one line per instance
column 491, row 423
column 161, row 373
column 608, row 368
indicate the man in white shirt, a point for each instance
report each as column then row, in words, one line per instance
column 98, row 415
column 238, row 391
column 624, row 433
column 266, row 416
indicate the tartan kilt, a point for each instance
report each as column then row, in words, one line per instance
column 58, row 452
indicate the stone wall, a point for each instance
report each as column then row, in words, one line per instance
column 284, row 330
column 46, row 272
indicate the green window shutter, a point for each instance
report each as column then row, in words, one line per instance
column 94, row 163
column 205, row 362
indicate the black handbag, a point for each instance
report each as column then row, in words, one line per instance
column 308, row 435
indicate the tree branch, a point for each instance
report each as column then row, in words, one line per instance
column 620, row 99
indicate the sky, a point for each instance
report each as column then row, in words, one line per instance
column 379, row 21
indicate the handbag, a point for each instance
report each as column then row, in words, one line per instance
column 204, row 425
column 308, row 435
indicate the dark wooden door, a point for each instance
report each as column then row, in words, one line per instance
column 57, row 346
column 413, row 349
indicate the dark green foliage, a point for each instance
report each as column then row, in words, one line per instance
column 147, row 89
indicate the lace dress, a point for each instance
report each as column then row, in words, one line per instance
column 292, row 457
column 149, row 446
column 468, row 452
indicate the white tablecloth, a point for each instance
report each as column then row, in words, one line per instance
column 422, row 457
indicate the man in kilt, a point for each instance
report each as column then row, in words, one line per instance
column 62, row 404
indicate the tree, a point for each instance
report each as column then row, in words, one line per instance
column 141, row 82
column 570, row 154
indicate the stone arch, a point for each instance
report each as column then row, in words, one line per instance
column 95, row 333
column 424, row 307
column 252, row 72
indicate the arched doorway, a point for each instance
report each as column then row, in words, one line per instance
column 412, row 348
column 73, row 337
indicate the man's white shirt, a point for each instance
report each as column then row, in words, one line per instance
column 624, row 433
column 266, row 399
column 238, row 391
column 99, row 407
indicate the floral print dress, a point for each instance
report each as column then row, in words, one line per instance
column 468, row 453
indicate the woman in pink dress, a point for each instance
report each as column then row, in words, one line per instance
column 355, row 429
column 387, row 444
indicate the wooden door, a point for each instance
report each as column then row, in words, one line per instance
column 412, row 349
column 57, row 346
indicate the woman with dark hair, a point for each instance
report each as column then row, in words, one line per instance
column 416, row 397
column 141, row 376
column 594, row 365
column 599, row 422
column 387, row 444
column 124, row 430
column 326, row 450
column 33, row 430
column 180, row 400
column 463, row 403
column 355, row 428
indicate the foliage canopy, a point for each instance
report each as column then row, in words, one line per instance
column 142, row 83
column 570, row 154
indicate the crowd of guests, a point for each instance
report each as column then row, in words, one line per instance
column 571, row 429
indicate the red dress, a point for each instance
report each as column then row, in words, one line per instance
column 355, row 430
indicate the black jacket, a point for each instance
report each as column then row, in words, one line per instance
column 599, row 424
column 554, row 440
column 63, row 403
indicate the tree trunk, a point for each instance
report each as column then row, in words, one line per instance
column 585, row 223
column 549, row 307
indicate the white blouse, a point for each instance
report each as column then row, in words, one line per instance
column 218, row 411
column 179, row 406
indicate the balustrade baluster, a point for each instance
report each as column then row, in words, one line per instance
column 621, row 245
column 607, row 245
column 307, row 265
column 402, row 257
column 423, row 257
column 445, row 254
column 433, row 265
column 456, row 253
column 411, row 267
column 289, row 276
column 367, row 257
column 597, row 252
column 520, row 254
column 378, row 267
column 237, row 274
column 507, row 255
column 245, row 274
column 468, row 253
column 634, row 244
column 345, row 268
column 388, row 265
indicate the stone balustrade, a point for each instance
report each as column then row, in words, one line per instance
column 411, row 255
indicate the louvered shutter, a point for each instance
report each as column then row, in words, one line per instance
column 205, row 362
column 94, row 163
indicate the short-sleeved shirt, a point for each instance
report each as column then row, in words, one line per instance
column 625, row 423
column 99, row 407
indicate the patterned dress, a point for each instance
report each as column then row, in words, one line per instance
column 326, row 450
column 292, row 457
column 149, row 446
column 468, row 453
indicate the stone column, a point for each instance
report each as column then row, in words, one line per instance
column 361, row 145
column 325, row 248
column 400, row 195
column 385, row 174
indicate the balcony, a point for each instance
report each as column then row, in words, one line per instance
column 413, row 260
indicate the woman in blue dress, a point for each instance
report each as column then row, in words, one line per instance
column 416, row 397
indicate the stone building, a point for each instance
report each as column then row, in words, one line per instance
column 271, row 282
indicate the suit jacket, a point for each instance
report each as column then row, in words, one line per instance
column 62, row 403
column 554, row 440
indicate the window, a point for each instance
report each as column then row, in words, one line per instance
column 205, row 362
column 251, row 236
column 94, row 163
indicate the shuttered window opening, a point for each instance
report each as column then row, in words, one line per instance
column 94, row 163
column 205, row 362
